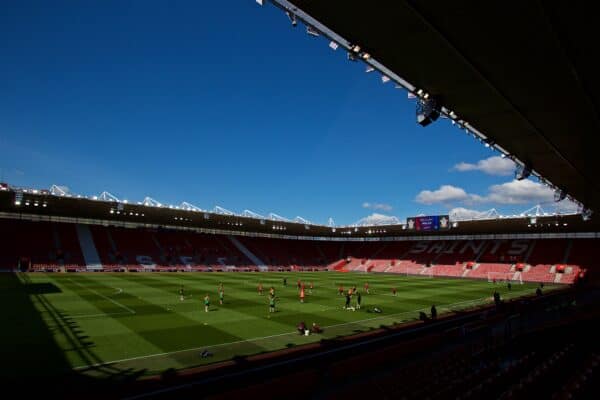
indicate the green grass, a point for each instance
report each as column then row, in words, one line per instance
column 137, row 321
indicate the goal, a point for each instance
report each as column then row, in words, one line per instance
column 505, row 277
column 425, row 272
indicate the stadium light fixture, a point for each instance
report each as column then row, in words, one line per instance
column 292, row 18
column 522, row 172
column 427, row 111
column 312, row 31
column 355, row 48
column 559, row 195
column 333, row 45
column 586, row 214
column 365, row 56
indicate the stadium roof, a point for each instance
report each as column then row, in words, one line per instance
column 42, row 205
column 522, row 73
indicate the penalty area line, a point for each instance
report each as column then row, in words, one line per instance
column 104, row 297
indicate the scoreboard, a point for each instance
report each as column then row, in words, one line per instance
column 430, row 223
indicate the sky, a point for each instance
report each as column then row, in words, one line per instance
column 225, row 103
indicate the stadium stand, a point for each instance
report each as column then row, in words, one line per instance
column 52, row 246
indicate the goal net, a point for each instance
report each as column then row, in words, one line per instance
column 505, row 277
column 425, row 272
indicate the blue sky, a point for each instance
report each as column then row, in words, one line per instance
column 223, row 103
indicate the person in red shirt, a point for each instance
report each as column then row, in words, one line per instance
column 341, row 290
column 393, row 291
column 260, row 288
column 302, row 294
column 367, row 287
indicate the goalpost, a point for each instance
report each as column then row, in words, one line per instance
column 505, row 277
column 427, row 272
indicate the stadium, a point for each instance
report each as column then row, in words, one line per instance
column 113, row 298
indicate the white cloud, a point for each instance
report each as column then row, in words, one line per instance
column 520, row 192
column 509, row 193
column 445, row 194
column 567, row 206
column 378, row 219
column 377, row 206
column 461, row 213
column 495, row 165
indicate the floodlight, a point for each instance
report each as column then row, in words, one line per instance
column 292, row 18
column 522, row 172
column 312, row 31
column 586, row 214
column 427, row 110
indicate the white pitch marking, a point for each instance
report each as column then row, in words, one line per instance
column 97, row 315
column 261, row 338
column 104, row 297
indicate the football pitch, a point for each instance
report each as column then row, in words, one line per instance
column 99, row 323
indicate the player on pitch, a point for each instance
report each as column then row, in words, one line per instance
column 206, row 302
column 302, row 294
